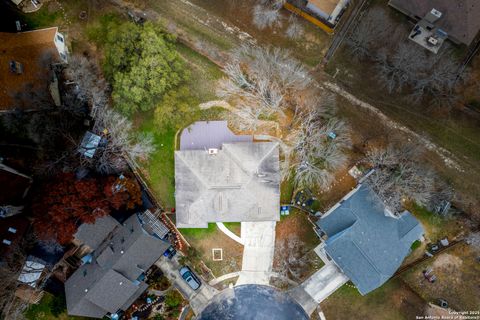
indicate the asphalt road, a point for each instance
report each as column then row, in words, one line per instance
column 253, row 302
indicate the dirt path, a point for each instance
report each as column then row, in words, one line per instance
column 218, row 56
column 446, row 155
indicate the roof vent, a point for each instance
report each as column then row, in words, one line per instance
column 86, row 290
column 212, row 151
column 16, row 67
column 121, row 282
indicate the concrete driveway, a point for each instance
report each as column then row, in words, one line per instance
column 259, row 246
column 198, row 299
column 319, row 286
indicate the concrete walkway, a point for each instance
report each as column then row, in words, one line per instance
column 229, row 233
column 259, row 241
column 224, row 277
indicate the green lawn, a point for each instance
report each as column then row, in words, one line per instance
column 159, row 171
column 43, row 18
column 286, row 191
column 437, row 227
column 198, row 233
column 41, row 311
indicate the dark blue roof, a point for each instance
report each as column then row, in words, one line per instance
column 366, row 244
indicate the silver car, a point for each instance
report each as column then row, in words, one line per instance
column 190, row 277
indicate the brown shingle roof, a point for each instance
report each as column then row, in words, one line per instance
column 326, row 6
column 29, row 48
column 20, row 224
column 460, row 18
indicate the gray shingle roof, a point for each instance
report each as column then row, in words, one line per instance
column 203, row 135
column 365, row 243
column 93, row 234
column 460, row 18
column 239, row 183
column 109, row 282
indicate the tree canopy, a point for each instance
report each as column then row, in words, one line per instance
column 176, row 109
column 66, row 202
column 142, row 64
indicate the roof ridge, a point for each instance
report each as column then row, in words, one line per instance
column 274, row 145
column 199, row 178
column 367, row 257
column 232, row 157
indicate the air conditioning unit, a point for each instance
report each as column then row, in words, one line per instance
column 436, row 13
column 212, row 151
column 433, row 41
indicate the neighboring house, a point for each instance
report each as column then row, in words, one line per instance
column 329, row 10
column 15, row 186
column 28, row 6
column 12, row 230
column 458, row 20
column 323, row 13
column 364, row 240
column 225, row 182
column 112, row 275
column 25, row 63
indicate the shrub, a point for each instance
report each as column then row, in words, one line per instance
column 58, row 305
column 173, row 299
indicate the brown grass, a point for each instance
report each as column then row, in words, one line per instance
column 457, row 272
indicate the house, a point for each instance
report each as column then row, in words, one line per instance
column 329, row 10
column 28, row 6
column 25, row 62
column 364, row 240
column 15, row 186
column 438, row 20
column 12, row 230
column 112, row 275
column 323, row 13
column 225, row 181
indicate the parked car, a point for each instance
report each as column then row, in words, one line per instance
column 190, row 277
column 433, row 248
column 170, row 252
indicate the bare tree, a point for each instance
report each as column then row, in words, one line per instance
column 260, row 82
column 294, row 29
column 399, row 177
column 473, row 239
column 10, row 269
column 373, row 29
column 118, row 141
column 293, row 260
column 265, row 84
column 319, row 150
column 266, row 14
column 90, row 86
column 406, row 65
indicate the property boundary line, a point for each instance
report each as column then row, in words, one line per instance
column 133, row 167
